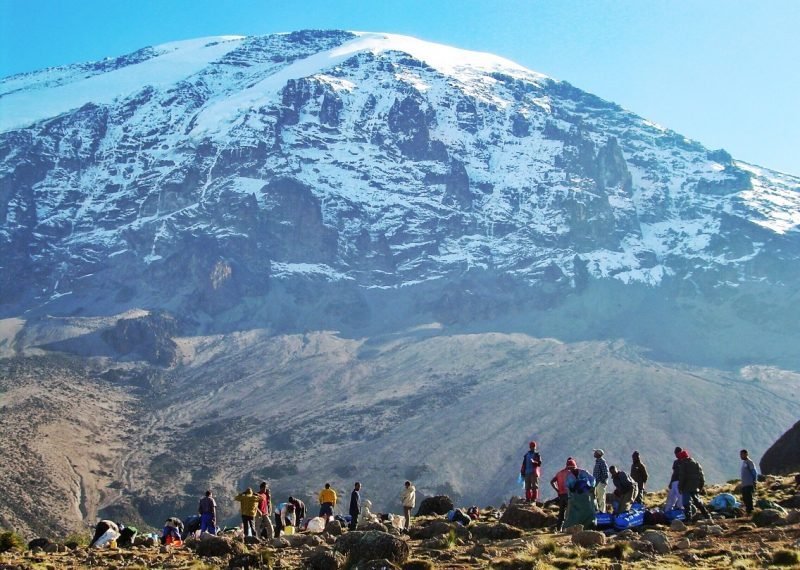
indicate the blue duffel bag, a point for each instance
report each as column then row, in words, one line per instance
column 630, row 519
column 603, row 520
column 675, row 515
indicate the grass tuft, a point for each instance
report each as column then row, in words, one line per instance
column 10, row 540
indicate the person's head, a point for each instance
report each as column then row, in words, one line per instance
column 612, row 469
column 598, row 453
column 677, row 451
column 532, row 445
column 249, row 491
column 208, row 493
column 327, row 485
column 407, row 483
column 635, row 456
column 684, row 454
column 743, row 454
column 571, row 463
column 357, row 486
column 263, row 485
column 291, row 499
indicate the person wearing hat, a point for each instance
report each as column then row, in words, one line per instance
column 600, row 474
column 559, row 484
column 530, row 470
column 639, row 476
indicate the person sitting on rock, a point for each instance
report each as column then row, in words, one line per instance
column 581, row 506
column 327, row 502
column 639, row 476
column 248, row 507
column 690, row 484
column 531, row 470
column 624, row 489
column 559, row 484
column 208, row 514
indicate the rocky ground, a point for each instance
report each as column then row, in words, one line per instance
column 514, row 537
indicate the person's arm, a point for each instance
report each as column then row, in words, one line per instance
column 537, row 460
column 554, row 483
column 645, row 475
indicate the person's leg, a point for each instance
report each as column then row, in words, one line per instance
column 639, row 493
column 747, row 498
column 673, row 497
column 600, row 497
column 534, row 488
column 625, row 501
column 528, row 488
column 686, row 498
column 562, row 510
column 353, row 522
column 699, row 504
column 407, row 513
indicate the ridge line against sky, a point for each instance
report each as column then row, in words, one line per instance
column 721, row 72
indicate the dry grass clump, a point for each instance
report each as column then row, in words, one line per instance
column 785, row 558
column 10, row 540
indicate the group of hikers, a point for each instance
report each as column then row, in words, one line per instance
column 257, row 513
column 581, row 495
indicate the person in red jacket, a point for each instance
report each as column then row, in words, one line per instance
column 559, row 484
column 265, row 529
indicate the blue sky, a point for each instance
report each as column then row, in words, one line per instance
column 724, row 72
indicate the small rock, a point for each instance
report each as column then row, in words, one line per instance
column 643, row 546
column 793, row 517
column 677, row 525
column 280, row 542
column 51, row 548
column 588, row 538
column 682, row 544
column 714, row 530
column 164, row 549
column 768, row 517
column 659, row 541
column 325, row 560
column 574, row 529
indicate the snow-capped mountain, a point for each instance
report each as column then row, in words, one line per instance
column 416, row 249
column 375, row 159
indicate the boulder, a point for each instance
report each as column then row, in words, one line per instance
column 643, row 546
column 280, row 542
column 587, row 538
column 792, row 502
column 497, row 531
column 38, row 543
column 251, row 540
column 372, row 545
column 768, row 517
column 678, row 526
column 528, row 517
column 373, row 526
column 219, row 546
column 438, row 505
column 52, row 548
column 793, row 517
column 574, row 529
column 325, row 560
column 659, row 541
column 334, row 528
column 682, row 544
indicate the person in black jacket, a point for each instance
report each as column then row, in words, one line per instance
column 639, row 476
column 355, row 506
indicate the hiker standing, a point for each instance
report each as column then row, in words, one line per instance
column 690, row 483
column 265, row 528
column 208, row 514
column 327, row 501
column 624, row 489
column 559, row 484
column 531, row 469
column 248, row 506
column 749, row 480
column 355, row 506
column 673, row 496
column 600, row 474
column 581, row 507
column 409, row 500
column 639, row 476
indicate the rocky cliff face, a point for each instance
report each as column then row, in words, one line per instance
column 783, row 457
column 405, row 245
